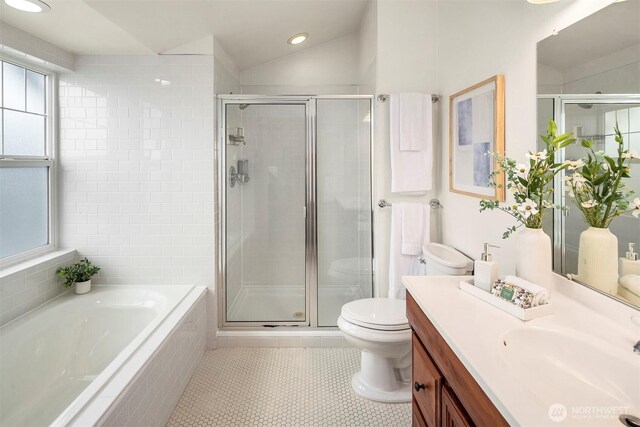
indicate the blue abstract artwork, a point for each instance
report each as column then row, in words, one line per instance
column 465, row 122
column 481, row 164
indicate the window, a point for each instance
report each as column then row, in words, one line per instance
column 26, row 162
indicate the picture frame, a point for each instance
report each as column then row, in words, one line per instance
column 476, row 126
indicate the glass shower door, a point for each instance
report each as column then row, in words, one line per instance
column 266, row 183
column 343, row 161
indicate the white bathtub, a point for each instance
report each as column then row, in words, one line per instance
column 56, row 358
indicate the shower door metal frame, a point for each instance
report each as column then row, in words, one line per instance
column 560, row 101
column 311, row 259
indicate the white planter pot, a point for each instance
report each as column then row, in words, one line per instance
column 533, row 256
column 83, row 287
column 598, row 259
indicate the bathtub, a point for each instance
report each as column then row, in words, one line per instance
column 56, row 359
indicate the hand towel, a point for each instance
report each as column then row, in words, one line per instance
column 411, row 226
column 412, row 120
column 411, row 171
column 400, row 264
column 541, row 295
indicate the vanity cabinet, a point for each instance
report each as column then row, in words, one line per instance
column 444, row 392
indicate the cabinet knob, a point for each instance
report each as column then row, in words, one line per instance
column 419, row 386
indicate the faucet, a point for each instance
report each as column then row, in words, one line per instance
column 636, row 347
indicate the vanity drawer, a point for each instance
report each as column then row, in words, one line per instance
column 427, row 382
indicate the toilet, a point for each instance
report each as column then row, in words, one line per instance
column 379, row 328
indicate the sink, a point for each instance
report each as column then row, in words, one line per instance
column 567, row 367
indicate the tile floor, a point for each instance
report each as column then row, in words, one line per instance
column 281, row 386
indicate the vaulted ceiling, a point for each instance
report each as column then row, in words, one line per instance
column 251, row 31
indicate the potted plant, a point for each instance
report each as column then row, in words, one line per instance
column 79, row 274
column 532, row 194
column 598, row 189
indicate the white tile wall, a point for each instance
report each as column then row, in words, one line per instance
column 136, row 161
column 23, row 289
column 150, row 398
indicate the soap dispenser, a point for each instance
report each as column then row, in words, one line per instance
column 629, row 264
column 485, row 270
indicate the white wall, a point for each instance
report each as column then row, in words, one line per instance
column 407, row 38
column 327, row 68
column 136, row 165
column 477, row 52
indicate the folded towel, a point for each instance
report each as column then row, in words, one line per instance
column 412, row 223
column 631, row 282
column 540, row 294
column 400, row 264
column 412, row 116
column 411, row 171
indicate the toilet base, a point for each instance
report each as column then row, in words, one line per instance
column 401, row 395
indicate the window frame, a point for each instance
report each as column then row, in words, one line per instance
column 48, row 160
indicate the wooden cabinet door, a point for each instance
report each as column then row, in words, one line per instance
column 426, row 384
column 453, row 414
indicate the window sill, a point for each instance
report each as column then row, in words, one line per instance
column 48, row 258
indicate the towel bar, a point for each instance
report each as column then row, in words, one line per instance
column 433, row 203
column 384, row 97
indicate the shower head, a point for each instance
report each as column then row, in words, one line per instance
column 243, row 106
column 589, row 106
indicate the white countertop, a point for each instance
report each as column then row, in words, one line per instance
column 475, row 332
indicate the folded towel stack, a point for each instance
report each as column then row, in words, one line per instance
column 520, row 292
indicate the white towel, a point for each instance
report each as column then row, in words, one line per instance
column 411, row 171
column 412, row 120
column 400, row 264
column 411, row 234
column 541, row 295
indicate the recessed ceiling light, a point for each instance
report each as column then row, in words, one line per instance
column 33, row 6
column 297, row 38
column 542, row 1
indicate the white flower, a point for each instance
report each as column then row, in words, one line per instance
column 522, row 170
column 589, row 204
column 540, row 155
column 574, row 164
column 528, row 208
column 546, row 204
column 636, row 207
column 630, row 155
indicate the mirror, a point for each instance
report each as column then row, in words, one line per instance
column 589, row 82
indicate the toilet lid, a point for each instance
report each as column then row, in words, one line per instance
column 377, row 313
column 447, row 256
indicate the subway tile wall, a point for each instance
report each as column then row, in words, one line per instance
column 136, row 167
column 23, row 289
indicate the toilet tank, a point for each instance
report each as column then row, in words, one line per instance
column 443, row 260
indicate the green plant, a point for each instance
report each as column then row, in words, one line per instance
column 79, row 272
column 597, row 187
column 529, row 184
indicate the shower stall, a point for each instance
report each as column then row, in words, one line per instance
column 295, row 208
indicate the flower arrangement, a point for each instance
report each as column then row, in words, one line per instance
column 597, row 185
column 529, row 183
column 77, row 273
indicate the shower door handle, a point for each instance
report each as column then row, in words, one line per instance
column 304, row 212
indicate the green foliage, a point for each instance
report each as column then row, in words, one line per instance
column 598, row 188
column 79, row 272
column 530, row 184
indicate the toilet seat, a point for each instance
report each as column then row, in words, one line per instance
column 380, row 314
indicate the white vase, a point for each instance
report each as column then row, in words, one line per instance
column 83, row 287
column 598, row 259
column 533, row 256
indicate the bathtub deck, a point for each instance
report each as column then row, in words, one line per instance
column 281, row 386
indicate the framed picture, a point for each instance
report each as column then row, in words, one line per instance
column 476, row 127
